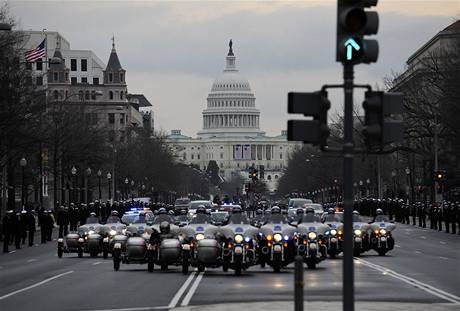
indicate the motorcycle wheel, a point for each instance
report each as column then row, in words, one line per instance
column 116, row 263
column 184, row 268
column 200, row 268
column 238, row 269
column 332, row 255
column 93, row 254
column 262, row 264
column 60, row 251
column 80, row 253
column 150, row 265
column 276, row 267
column 225, row 267
column 311, row 264
column 356, row 253
column 382, row 252
column 164, row 267
column 105, row 254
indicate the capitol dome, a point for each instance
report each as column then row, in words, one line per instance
column 230, row 107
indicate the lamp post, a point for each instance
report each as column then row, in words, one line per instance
column 74, row 174
column 368, row 182
column 109, row 177
column 407, row 170
column 99, row 175
column 126, row 187
column 23, row 163
column 393, row 177
column 130, row 189
column 88, row 174
column 360, row 189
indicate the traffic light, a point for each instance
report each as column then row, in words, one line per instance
column 316, row 105
column 381, row 126
column 261, row 171
column 253, row 173
column 440, row 175
column 353, row 23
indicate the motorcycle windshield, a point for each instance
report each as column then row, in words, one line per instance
column 381, row 218
column 332, row 218
column 160, row 218
column 310, row 218
column 92, row 220
column 238, row 219
column 200, row 219
column 357, row 218
column 141, row 219
column 113, row 220
column 278, row 219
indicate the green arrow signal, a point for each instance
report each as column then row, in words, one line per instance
column 351, row 44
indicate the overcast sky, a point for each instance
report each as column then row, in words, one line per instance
column 173, row 51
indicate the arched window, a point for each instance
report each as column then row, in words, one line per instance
column 87, row 95
column 111, row 95
column 121, row 95
column 55, row 94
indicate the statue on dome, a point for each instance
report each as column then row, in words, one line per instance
column 230, row 44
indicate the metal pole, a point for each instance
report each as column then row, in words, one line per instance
column 298, row 284
column 23, row 187
column 100, row 188
column 379, row 178
column 348, row 146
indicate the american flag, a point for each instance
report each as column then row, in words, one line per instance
column 36, row 53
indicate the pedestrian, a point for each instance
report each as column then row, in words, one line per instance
column 31, row 226
column 439, row 218
column 42, row 222
column 414, row 214
column 49, row 225
column 73, row 217
column 423, row 214
column 18, row 232
column 7, row 229
column 446, row 213
column 23, row 226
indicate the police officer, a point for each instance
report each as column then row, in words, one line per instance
column 8, row 229
column 414, row 214
column 446, row 213
column 73, row 217
column 18, row 230
column 63, row 221
column 31, row 226
column 42, row 222
column 113, row 218
column 439, row 218
column 23, row 226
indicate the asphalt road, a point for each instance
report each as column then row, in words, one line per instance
column 423, row 268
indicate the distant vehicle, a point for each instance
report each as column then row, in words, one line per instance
column 219, row 217
column 317, row 207
column 181, row 204
column 192, row 206
column 132, row 217
column 228, row 207
column 298, row 202
column 143, row 200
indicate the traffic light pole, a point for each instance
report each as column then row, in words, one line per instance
column 348, row 150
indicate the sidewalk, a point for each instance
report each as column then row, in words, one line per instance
column 322, row 306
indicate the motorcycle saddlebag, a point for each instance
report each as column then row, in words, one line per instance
column 71, row 240
column 136, row 247
column 170, row 250
column 208, row 251
column 122, row 239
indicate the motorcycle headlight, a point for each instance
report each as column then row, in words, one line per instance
column 91, row 232
column 333, row 232
column 383, row 231
column 239, row 238
column 277, row 237
column 358, row 232
column 112, row 232
column 312, row 235
column 199, row 236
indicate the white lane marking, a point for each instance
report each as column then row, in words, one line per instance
column 133, row 309
column 34, row 285
column 442, row 242
column 418, row 252
column 32, row 260
column 97, row 263
column 11, row 252
column 423, row 237
column 397, row 246
column 423, row 286
column 443, row 257
column 181, row 291
column 192, row 290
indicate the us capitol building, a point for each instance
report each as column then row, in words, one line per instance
column 231, row 133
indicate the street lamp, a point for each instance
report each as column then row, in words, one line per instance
column 74, row 174
column 407, row 170
column 393, row 176
column 88, row 174
column 109, row 177
column 126, row 187
column 99, row 175
column 23, row 163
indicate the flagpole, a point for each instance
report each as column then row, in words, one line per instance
column 41, row 184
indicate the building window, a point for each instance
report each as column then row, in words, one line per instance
column 110, row 77
column 184, row 156
column 87, row 95
column 80, row 95
column 39, row 80
column 55, row 95
column 192, row 156
column 39, row 65
column 122, row 76
column 84, row 65
column 121, row 95
column 281, row 156
column 122, row 118
column 111, row 118
column 276, row 176
column 28, row 66
column 73, row 80
column 198, row 156
column 55, row 76
column 221, row 165
column 93, row 95
column 96, row 81
column 66, row 76
column 111, row 136
column 221, row 155
column 111, row 95
column 84, row 80
column 73, row 64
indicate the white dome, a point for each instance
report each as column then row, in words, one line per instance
column 231, row 80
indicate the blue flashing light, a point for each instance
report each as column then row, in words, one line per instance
column 286, row 237
column 247, row 239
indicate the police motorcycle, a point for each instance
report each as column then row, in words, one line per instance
column 258, row 219
column 202, row 238
column 381, row 239
column 181, row 220
column 360, row 235
column 88, row 239
column 239, row 242
column 311, row 241
column 276, row 241
column 113, row 232
column 165, row 246
column 334, row 235
column 135, row 248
